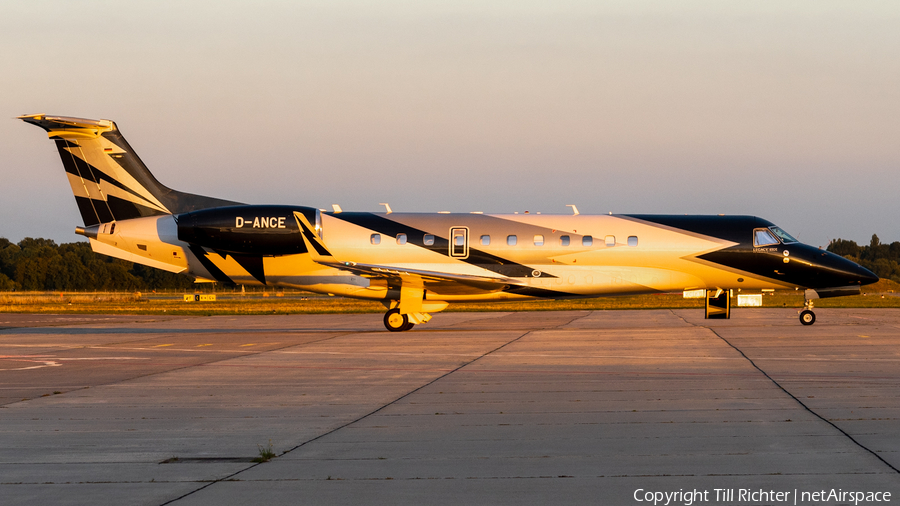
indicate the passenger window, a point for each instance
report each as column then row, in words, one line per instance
column 375, row 239
column 511, row 240
column 632, row 240
column 538, row 240
column 401, row 238
column 610, row 240
column 428, row 240
column 485, row 240
column 763, row 237
column 563, row 240
column 459, row 240
column 587, row 240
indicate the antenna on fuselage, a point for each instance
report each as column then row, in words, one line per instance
column 574, row 209
column 387, row 207
column 337, row 208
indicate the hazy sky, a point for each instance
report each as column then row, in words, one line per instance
column 785, row 110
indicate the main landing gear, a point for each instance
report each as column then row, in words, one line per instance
column 412, row 309
column 807, row 317
column 396, row 322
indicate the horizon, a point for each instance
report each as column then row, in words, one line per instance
column 782, row 110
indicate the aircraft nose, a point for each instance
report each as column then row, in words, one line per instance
column 851, row 272
column 866, row 277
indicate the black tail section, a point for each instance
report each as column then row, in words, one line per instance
column 109, row 180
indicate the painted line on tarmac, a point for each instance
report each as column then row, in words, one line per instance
column 42, row 364
column 552, row 372
column 53, row 361
column 628, row 357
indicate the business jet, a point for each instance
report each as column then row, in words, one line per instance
column 417, row 264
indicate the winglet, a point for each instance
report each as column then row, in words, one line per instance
column 314, row 245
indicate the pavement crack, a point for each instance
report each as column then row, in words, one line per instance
column 799, row 401
column 231, row 477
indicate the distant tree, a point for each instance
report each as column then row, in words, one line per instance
column 882, row 259
column 32, row 261
column 120, row 277
column 844, row 248
column 8, row 253
column 31, row 272
column 78, row 275
column 6, row 284
column 157, row 279
column 41, row 264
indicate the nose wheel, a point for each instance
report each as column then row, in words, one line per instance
column 807, row 317
column 396, row 322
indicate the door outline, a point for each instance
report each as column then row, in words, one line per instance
column 456, row 250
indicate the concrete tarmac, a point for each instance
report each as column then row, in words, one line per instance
column 580, row 407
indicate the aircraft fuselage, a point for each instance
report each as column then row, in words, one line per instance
column 418, row 263
column 544, row 256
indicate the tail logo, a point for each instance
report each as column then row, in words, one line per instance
column 103, row 170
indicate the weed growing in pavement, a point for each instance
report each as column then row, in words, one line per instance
column 266, row 453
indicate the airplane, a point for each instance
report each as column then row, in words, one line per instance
column 417, row 264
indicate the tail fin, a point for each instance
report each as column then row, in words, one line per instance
column 108, row 179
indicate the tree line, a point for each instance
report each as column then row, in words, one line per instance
column 882, row 259
column 43, row 265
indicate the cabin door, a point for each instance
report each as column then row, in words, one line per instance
column 459, row 242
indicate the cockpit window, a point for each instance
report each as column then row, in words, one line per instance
column 784, row 236
column 763, row 237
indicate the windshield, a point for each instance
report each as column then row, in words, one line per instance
column 784, row 236
column 763, row 237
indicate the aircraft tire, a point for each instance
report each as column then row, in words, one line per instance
column 408, row 326
column 396, row 322
column 807, row 317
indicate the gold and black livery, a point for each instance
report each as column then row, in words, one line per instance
column 417, row 264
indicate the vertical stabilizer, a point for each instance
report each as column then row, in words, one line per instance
column 109, row 180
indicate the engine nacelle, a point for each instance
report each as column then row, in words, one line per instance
column 247, row 230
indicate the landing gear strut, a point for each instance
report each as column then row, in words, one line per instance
column 807, row 317
column 396, row 322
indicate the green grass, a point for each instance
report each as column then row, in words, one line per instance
column 266, row 453
column 883, row 294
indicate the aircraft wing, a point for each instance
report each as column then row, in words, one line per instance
column 481, row 283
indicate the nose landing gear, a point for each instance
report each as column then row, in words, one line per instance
column 807, row 317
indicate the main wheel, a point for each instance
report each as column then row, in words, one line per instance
column 807, row 317
column 396, row 322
